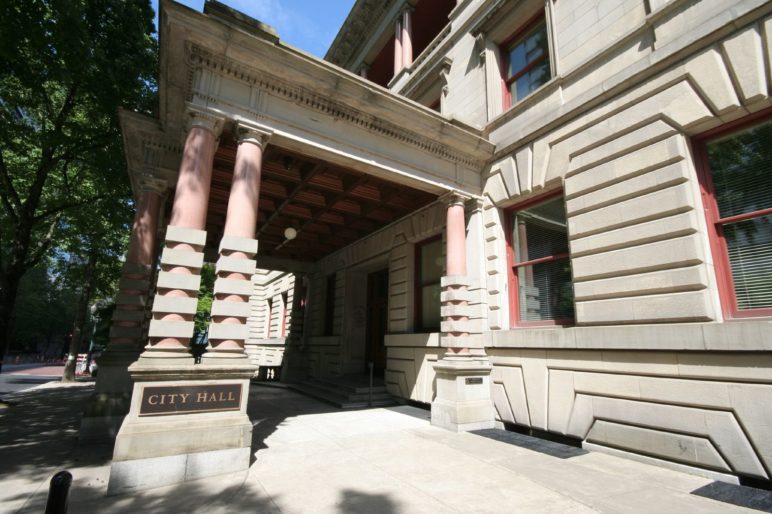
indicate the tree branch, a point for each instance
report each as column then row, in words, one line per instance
column 8, row 194
column 45, row 243
column 63, row 207
column 48, row 161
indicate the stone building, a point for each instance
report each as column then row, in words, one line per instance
column 546, row 214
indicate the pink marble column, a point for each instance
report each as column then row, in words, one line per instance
column 407, row 37
column 456, row 239
column 455, row 270
column 363, row 71
column 397, row 46
column 236, row 265
column 129, row 317
column 177, row 285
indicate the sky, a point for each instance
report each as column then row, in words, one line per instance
column 310, row 25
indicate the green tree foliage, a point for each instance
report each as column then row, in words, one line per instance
column 66, row 67
column 44, row 313
column 205, row 298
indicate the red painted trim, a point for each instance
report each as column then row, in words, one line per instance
column 418, row 283
column 514, row 297
column 718, row 246
column 504, row 57
column 540, row 259
column 284, row 315
column 745, row 216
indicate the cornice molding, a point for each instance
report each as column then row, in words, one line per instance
column 199, row 57
column 361, row 21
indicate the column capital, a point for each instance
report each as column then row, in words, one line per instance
column 407, row 8
column 454, row 197
column 149, row 183
column 207, row 120
column 249, row 133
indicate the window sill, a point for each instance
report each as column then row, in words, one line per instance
column 734, row 336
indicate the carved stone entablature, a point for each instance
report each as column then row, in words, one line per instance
column 201, row 58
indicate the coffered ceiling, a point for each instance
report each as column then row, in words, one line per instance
column 329, row 206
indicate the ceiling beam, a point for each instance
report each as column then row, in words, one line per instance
column 277, row 212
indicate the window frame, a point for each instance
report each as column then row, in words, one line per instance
column 283, row 323
column 718, row 247
column 504, row 49
column 512, row 278
column 418, row 287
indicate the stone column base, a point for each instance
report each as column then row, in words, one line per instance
column 107, row 407
column 463, row 400
column 185, row 423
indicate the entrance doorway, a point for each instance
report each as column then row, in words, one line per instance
column 377, row 320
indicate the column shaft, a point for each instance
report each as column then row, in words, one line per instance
column 180, row 276
column 235, row 267
column 397, row 47
column 407, row 38
column 129, row 316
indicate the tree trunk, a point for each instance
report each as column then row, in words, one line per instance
column 89, row 277
column 8, row 291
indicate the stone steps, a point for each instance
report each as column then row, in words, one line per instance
column 345, row 392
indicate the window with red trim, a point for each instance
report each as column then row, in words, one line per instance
column 525, row 61
column 736, row 179
column 541, row 291
column 429, row 266
column 284, row 314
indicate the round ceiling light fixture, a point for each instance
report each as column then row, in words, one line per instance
column 290, row 233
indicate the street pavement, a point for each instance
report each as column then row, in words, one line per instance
column 20, row 377
column 310, row 457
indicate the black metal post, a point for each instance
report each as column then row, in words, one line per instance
column 58, row 493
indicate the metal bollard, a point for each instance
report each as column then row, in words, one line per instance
column 58, row 493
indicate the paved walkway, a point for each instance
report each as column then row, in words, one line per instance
column 312, row 458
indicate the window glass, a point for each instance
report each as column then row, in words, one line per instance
column 741, row 172
column 542, row 268
column 528, row 63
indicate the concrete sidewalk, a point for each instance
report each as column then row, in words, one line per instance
column 313, row 458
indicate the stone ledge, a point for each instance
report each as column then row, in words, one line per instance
column 235, row 309
column 729, row 336
column 135, row 284
column 236, row 265
column 131, row 299
column 233, row 286
column 175, row 304
column 182, row 281
column 172, row 257
column 177, row 329
column 228, row 331
column 239, row 244
column 185, row 235
column 470, row 326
